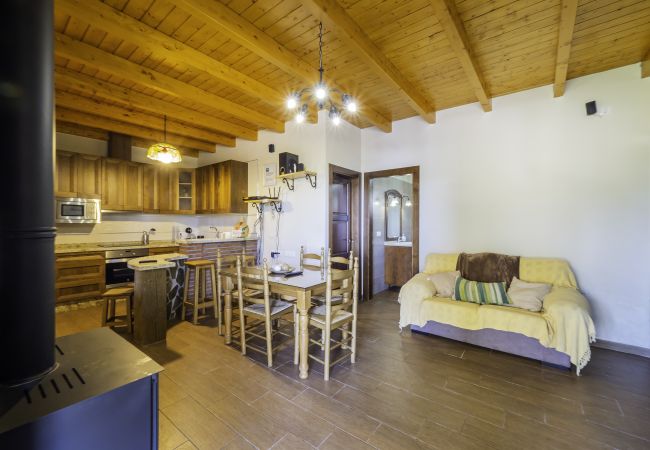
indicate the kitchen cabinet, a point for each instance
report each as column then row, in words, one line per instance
column 232, row 187
column 150, row 203
column 206, row 189
column 185, row 191
column 80, row 277
column 162, row 250
column 77, row 175
column 398, row 264
column 176, row 191
column 65, row 181
column 121, row 185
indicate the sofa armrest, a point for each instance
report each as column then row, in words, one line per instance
column 411, row 297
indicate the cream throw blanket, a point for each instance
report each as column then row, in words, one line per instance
column 564, row 323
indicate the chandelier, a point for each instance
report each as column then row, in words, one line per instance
column 163, row 152
column 321, row 94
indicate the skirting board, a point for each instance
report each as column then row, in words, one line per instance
column 623, row 348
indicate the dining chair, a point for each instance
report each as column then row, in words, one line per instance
column 338, row 311
column 257, row 311
column 225, row 262
column 314, row 261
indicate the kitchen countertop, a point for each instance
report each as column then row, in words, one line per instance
column 152, row 262
column 104, row 246
column 211, row 240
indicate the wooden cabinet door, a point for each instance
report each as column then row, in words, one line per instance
column 89, row 176
column 112, row 184
column 65, row 180
column 133, row 175
column 166, row 190
column 238, row 186
column 150, row 189
column 185, row 190
column 205, row 189
column 397, row 265
column 79, row 277
column 222, row 194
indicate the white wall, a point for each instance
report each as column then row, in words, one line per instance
column 537, row 177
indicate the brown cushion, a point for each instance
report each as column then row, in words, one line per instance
column 488, row 267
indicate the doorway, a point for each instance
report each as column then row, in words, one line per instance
column 392, row 226
column 344, row 211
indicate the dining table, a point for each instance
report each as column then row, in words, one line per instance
column 302, row 287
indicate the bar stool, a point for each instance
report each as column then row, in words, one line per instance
column 110, row 297
column 200, row 267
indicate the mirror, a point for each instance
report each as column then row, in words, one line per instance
column 393, row 215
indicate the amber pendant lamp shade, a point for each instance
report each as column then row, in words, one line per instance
column 163, row 152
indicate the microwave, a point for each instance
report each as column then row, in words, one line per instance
column 78, row 210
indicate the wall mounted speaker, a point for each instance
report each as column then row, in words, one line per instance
column 271, row 148
column 591, row 108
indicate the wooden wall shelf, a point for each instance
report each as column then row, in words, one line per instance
column 289, row 178
column 259, row 204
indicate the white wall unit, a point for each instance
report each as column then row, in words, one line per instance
column 537, row 177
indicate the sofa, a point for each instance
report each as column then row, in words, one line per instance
column 559, row 334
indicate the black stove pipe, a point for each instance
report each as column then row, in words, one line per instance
column 26, row 182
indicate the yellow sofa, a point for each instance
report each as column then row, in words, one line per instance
column 560, row 334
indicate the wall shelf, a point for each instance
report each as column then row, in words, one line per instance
column 258, row 204
column 290, row 178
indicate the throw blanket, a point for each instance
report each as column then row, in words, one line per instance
column 568, row 326
column 488, row 267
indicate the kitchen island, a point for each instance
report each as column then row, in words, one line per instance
column 157, row 292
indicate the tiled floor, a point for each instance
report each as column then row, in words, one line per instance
column 405, row 391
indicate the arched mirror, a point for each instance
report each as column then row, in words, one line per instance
column 393, row 215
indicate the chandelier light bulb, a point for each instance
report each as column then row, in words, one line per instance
column 300, row 117
column 292, row 102
column 320, row 92
column 336, row 120
column 349, row 103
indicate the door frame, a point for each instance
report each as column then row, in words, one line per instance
column 367, row 208
column 355, row 206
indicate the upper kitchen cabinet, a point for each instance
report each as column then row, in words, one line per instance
column 186, row 191
column 232, row 187
column 206, row 189
column 122, row 183
column 77, row 175
column 150, row 194
column 176, row 191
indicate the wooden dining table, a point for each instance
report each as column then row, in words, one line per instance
column 302, row 287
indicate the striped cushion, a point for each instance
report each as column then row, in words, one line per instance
column 481, row 293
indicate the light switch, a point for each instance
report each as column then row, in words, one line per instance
column 378, row 233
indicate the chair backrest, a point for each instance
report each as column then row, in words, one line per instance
column 251, row 279
column 312, row 261
column 343, row 283
column 340, row 262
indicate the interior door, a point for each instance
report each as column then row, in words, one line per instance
column 341, row 220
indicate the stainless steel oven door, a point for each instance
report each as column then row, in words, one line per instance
column 118, row 273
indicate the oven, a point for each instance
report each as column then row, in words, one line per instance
column 78, row 210
column 117, row 271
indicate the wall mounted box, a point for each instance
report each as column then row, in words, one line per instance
column 287, row 162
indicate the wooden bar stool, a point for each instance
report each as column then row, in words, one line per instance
column 200, row 268
column 111, row 297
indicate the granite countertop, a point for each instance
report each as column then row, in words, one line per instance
column 211, row 240
column 152, row 262
column 104, row 246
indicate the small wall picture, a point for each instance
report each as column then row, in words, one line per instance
column 270, row 174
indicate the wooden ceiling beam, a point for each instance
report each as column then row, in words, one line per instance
column 93, row 106
column 336, row 18
column 455, row 30
column 226, row 21
column 123, row 68
column 148, row 39
column 104, row 123
column 565, row 36
column 102, row 135
column 645, row 66
column 94, row 87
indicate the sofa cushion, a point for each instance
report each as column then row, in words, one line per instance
column 482, row 293
column 440, row 262
column 444, row 283
column 553, row 271
column 528, row 296
column 488, row 267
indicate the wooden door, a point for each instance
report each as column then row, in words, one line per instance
column 341, row 220
column 112, row 184
column 150, row 189
column 65, row 180
column 89, row 176
column 133, row 181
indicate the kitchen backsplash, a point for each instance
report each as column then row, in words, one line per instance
column 124, row 227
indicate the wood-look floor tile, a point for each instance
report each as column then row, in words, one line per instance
column 202, row 427
column 278, row 383
column 443, row 438
column 314, row 381
column 492, row 436
column 296, row 420
column 187, row 445
column 169, row 437
column 399, row 416
column 357, row 380
column 387, row 438
column 168, row 391
column 259, row 429
column 340, row 440
column 240, row 386
column 239, row 443
column 292, row 442
column 343, row 416
column 627, row 424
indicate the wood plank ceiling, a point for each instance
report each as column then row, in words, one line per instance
column 221, row 70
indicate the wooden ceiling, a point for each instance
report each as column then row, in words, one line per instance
column 221, row 70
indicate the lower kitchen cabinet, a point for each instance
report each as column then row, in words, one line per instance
column 80, row 277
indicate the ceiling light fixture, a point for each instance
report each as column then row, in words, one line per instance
column 322, row 94
column 163, row 152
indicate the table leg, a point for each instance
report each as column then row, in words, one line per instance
column 227, row 300
column 304, row 301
